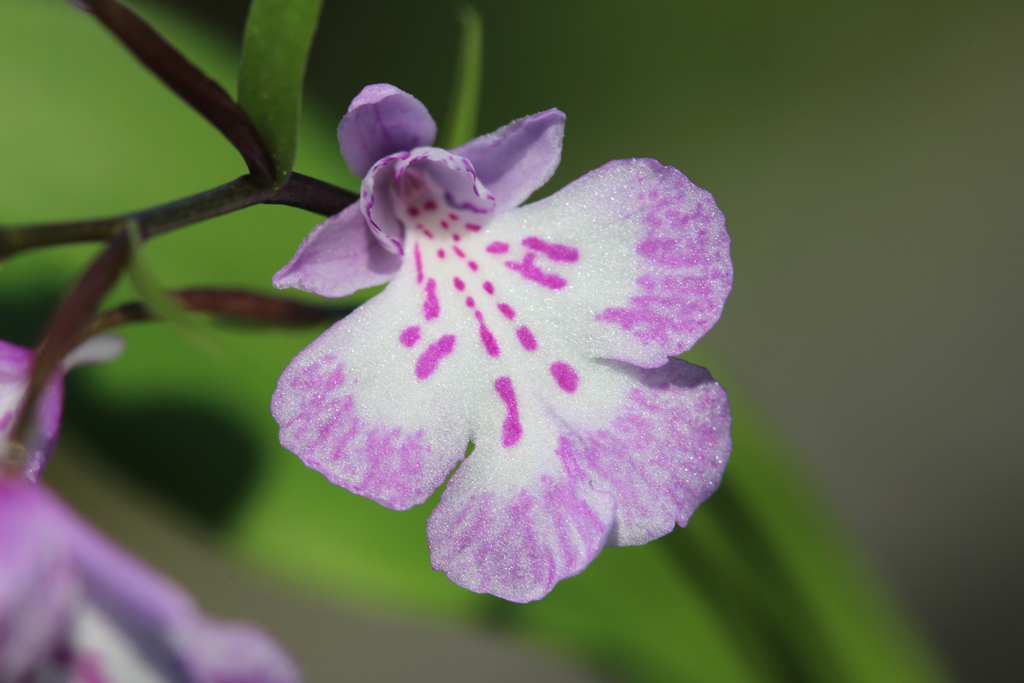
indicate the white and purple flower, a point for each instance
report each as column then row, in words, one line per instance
column 75, row 609
column 15, row 367
column 541, row 333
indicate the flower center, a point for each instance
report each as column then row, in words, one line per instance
column 421, row 207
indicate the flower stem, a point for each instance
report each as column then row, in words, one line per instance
column 300, row 191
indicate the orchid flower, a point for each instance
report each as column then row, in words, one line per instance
column 15, row 366
column 541, row 333
column 75, row 608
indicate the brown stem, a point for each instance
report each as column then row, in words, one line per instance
column 300, row 191
column 201, row 92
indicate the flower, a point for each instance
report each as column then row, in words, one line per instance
column 541, row 333
column 75, row 608
column 15, row 367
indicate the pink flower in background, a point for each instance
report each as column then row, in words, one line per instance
column 541, row 333
column 75, row 608
column 15, row 366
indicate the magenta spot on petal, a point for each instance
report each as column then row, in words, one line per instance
column 410, row 336
column 413, row 211
column 565, row 375
column 456, row 237
column 419, row 265
column 431, row 307
column 430, row 205
column 555, row 252
column 458, row 252
column 531, row 272
column 512, row 429
column 489, row 342
column 489, row 288
column 526, row 338
column 472, row 265
column 470, row 302
column 428, row 360
column 507, row 311
column 473, row 226
column 440, row 253
column 497, row 248
column 444, row 224
column 453, row 216
column 459, row 284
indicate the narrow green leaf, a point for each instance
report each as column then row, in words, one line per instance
column 157, row 300
column 278, row 35
column 469, row 76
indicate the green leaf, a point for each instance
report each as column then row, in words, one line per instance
column 469, row 76
column 278, row 35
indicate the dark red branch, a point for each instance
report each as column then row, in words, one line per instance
column 192, row 85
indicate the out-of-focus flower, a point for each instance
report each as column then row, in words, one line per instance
column 542, row 333
column 15, row 366
column 75, row 608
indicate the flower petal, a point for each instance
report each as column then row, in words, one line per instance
column 608, row 454
column 515, row 160
column 37, row 583
column 632, row 258
column 165, row 628
column 380, row 121
column 355, row 407
column 425, row 170
column 99, row 348
column 339, row 257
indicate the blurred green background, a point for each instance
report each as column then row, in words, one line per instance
column 868, row 158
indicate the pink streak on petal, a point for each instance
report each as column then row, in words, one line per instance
column 555, row 252
column 456, row 237
column 507, row 311
column 459, row 284
column 440, row 253
column 526, row 338
column 431, row 307
column 489, row 342
column 419, row 265
column 512, row 429
column 497, row 248
column 565, row 375
column 531, row 272
column 472, row 265
column 410, row 336
column 458, row 252
column 489, row 288
column 428, row 360
column 453, row 216
column 470, row 302
column 473, row 227
column 430, row 205
column 444, row 224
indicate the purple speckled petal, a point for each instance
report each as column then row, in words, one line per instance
column 662, row 454
column 380, row 121
column 339, row 257
column 632, row 257
column 356, row 405
column 513, row 524
column 37, row 579
column 608, row 454
column 398, row 180
column 517, row 159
